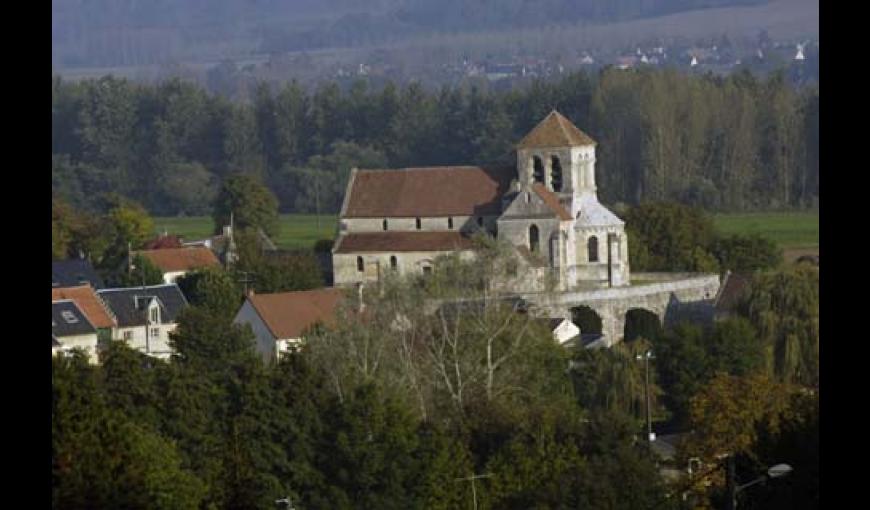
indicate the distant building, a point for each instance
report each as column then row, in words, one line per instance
column 176, row 262
column 146, row 316
column 800, row 53
column 280, row 320
column 74, row 272
column 70, row 330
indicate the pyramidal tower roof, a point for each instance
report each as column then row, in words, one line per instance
column 555, row 131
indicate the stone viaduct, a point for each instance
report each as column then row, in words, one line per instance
column 670, row 296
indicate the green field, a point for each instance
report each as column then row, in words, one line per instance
column 295, row 230
column 794, row 230
column 789, row 230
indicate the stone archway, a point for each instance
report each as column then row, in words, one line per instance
column 590, row 322
column 641, row 322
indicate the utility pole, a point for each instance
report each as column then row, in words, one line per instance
column 648, row 355
column 317, row 200
column 472, row 478
column 246, row 280
column 731, row 483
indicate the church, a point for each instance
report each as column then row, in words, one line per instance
column 546, row 206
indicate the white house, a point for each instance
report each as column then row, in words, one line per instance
column 279, row 321
column 70, row 330
column 145, row 316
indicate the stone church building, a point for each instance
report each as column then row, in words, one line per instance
column 546, row 206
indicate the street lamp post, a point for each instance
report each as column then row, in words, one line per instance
column 734, row 488
column 648, row 355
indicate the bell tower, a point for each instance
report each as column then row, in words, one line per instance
column 558, row 155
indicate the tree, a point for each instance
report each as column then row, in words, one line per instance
column 736, row 348
column 727, row 415
column 367, row 453
column 100, row 457
column 746, row 253
column 190, row 188
column 213, row 289
column 132, row 223
column 143, row 272
column 614, row 380
column 670, row 237
column 683, row 365
column 784, row 307
column 251, row 204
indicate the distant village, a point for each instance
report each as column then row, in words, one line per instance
column 714, row 57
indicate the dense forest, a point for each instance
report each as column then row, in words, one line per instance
column 733, row 144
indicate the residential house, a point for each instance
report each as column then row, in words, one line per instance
column 279, row 321
column 70, row 329
column 74, row 272
column 146, row 316
column 176, row 262
column 95, row 310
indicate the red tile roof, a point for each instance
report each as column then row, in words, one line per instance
column 181, row 259
column 289, row 314
column 555, row 131
column 429, row 191
column 551, row 201
column 383, row 242
column 163, row 242
column 88, row 302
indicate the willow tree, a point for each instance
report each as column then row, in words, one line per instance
column 784, row 308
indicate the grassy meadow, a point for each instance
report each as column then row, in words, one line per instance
column 295, row 230
column 791, row 230
column 794, row 231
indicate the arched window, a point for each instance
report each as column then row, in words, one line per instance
column 533, row 239
column 419, row 224
column 556, row 173
column 360, row 266
column 538, row 169
column 393, row 262
column 385, row 224
column 450, row 222
column 592, row 246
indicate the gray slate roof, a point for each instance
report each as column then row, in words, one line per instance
column 130, row 304
column 68, row 320
column 74, row 272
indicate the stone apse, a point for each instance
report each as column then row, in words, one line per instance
column 671, row 297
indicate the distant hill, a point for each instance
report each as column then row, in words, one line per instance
column 102, row 33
